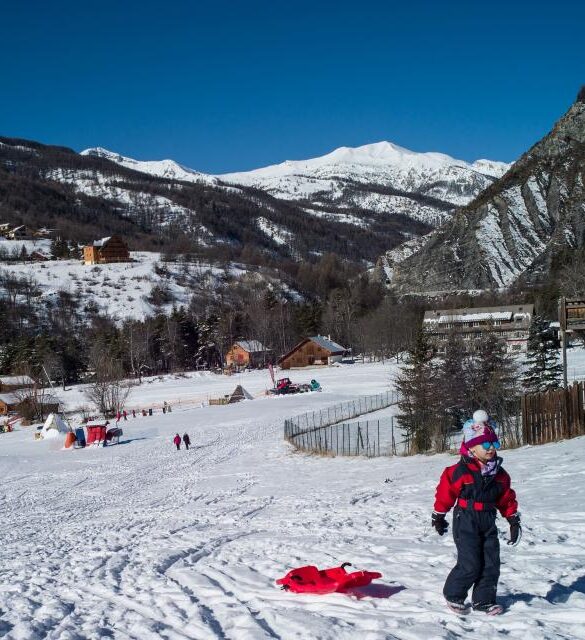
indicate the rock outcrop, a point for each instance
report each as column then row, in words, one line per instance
column 514, row 228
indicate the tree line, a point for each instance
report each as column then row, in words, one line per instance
column 441, row 389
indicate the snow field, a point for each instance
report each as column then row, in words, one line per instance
column 140, row 541
column 119, row 289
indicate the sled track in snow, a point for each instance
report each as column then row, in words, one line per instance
column 131, row 557
column 141, row 542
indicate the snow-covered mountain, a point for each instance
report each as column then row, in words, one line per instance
column 353, row 184
column 381, row 163
column 162, row 168
column 517, row 228
column 98, row 193
column 376, row 178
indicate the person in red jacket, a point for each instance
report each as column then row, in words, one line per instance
column 177, row 441
column 477, row 486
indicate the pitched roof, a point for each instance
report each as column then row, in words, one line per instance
column 251, row 346
column 321, row 341
column 9, row 398
column 328, row 344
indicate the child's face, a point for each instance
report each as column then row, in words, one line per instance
column 483, row 455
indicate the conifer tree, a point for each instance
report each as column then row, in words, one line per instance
column 543, row 369
column 495, row 383
column 453, row 376
column 416, row 385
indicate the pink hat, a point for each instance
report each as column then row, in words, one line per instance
column 477, row 431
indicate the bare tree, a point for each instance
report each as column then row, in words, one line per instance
column 572, row 277
column 109, row 391
column 34, row 402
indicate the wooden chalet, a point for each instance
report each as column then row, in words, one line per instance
column 246, row 353
column 11, row 383
column 318, row 350
column 106, row 250
column 40, row 406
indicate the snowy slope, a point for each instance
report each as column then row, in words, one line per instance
column 332, row 179
column 380, row 159
column 349, row 178
column 139, row 541
column 162, row 168
column 121, row 290
column 518, row 229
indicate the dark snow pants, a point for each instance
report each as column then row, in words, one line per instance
column 478, row 556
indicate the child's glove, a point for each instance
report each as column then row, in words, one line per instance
column 438, row 521
column 515, row 530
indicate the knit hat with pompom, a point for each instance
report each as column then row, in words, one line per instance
column 478, row 430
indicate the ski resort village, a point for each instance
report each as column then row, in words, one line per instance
column 319, row 372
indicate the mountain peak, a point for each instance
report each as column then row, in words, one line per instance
column 163, row 168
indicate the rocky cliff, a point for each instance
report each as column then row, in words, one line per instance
column 514, row 228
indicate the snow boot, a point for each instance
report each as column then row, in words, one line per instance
column 489, row 608
column 457, row 605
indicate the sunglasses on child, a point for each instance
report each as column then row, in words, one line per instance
column 488, row 445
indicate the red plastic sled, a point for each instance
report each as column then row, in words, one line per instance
column 312, row 580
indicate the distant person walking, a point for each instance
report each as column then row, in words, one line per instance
column 150, row 411
column 177, row 441
column 186, row 440
column 125, row 414
column 133, row 413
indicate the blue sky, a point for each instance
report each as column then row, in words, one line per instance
column 229, row 86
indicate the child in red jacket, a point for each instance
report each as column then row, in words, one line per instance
column 477, row 486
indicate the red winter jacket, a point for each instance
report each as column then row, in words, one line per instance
column 464, row 481
column 177, row 439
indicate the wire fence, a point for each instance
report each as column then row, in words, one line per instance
column 328, row 432
column 343, row 411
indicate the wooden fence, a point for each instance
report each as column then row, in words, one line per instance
column 553, row 415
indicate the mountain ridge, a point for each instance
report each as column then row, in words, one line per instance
column 515, row 228
column 353, row 183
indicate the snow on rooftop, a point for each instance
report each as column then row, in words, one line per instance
column 472, row 317
column 251, row 346
column 327, row 343
column 102, row 242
